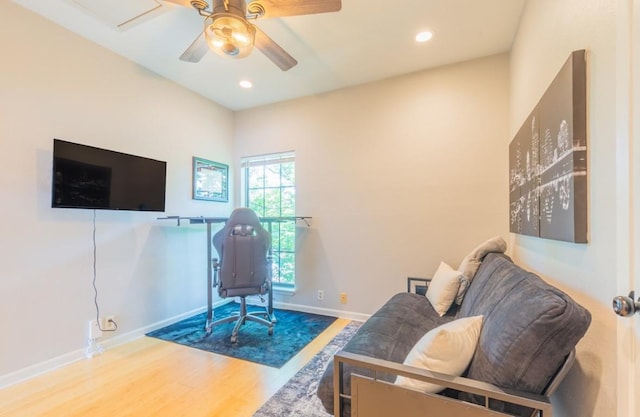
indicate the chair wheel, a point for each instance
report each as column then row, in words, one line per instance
column 270, row 331
column 234, row 339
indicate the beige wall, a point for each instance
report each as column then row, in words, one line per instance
column 54, row 84
column 549, row 31
column 398, row 175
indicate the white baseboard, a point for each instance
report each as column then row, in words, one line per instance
column 49, row 365
column 350, row 315
column 40, row 368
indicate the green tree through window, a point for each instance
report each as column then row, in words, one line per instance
column 269, row 189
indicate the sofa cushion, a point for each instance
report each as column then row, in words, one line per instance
column 529, row 327
column 443, row 288
column 447, row 349
column 388, row 334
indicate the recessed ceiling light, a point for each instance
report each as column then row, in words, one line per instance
column 246, row 84
column 424, row 36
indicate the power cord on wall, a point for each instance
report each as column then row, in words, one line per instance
column 113, row 326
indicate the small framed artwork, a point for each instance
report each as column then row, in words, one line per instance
column 418, row 285
column 210, row 180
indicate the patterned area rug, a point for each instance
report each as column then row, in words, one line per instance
column 293, row 331
column 298, row 396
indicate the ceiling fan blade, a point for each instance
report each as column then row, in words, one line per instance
column 185, row 3
column 277, row 8
column 196, row 50
column 273, row 51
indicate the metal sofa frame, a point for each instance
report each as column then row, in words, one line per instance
column 372, row 397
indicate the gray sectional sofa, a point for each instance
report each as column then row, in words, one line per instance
column 529, row 330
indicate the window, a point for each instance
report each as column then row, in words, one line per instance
column 269, row 189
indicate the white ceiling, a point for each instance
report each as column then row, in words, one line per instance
column 367, row 40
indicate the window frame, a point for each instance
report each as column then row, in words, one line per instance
column 275, row 228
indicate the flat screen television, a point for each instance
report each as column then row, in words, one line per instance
column 95, row 178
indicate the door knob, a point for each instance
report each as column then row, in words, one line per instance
column 626, row 306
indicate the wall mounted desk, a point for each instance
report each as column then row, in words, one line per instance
column 211, row 220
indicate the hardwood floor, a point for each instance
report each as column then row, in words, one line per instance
column 150, row 377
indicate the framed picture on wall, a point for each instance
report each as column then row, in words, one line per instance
column 210, row 180
column 548, row 161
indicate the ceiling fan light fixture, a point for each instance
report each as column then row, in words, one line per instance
column 229, row 35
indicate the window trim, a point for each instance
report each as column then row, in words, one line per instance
column 264, row 160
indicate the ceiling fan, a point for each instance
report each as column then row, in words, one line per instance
column 229, row 32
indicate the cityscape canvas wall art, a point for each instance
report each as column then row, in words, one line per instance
column 548, row 161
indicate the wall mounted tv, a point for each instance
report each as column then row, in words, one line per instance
column 94, row 178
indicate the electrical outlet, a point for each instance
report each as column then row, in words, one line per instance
column 320, row 295
column 94, row 330
column 107, row 323
column 343, row 297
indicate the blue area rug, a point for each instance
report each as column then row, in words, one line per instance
column 298, row 396
column 292, row 331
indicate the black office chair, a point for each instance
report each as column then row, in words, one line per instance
column 244, row 267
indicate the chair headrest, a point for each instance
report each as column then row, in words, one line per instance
column 242, row 222
column 243, row 215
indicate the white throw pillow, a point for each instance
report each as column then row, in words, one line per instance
column 447, row 349
column 443, row 288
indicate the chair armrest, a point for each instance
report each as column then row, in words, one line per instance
column 488, row 391
column 418, row 285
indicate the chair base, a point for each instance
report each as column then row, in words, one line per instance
column 240, row 318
